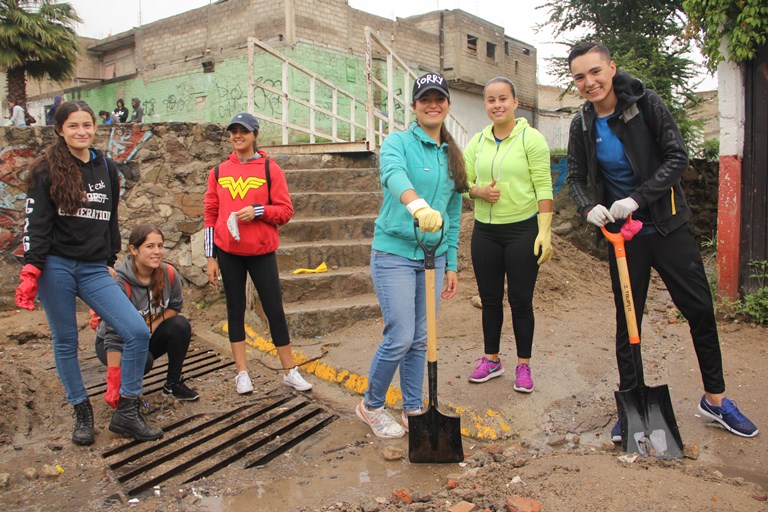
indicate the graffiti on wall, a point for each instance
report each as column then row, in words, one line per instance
column 124, row 141
column 231, row 99
column 13, row 159
column 267, row 101
column 183, row 100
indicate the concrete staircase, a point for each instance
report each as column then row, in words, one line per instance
column 336, row 198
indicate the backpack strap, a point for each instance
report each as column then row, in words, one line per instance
column 269, row 181
column 216, row 172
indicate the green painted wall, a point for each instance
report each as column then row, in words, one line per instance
column 217, row 96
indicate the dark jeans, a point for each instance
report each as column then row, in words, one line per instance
column 263, row 271
column 171, row 337
column 500, row 250
column 677, row 259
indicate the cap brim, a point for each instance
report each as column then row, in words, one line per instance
column 423, row 91
column 246, row 126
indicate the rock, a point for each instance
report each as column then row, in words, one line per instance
column 55, row 447
column 30, row 474
column 475, row 301
column 49, row 471
column 562, row 229
column 181, row 494
column 691, row 451
column 451, row 484
column 495, row 449
column 519, row 462
column 420, row 497
column 403, row 495
column 521, row 504
column 607, row 446
column 462, row 506
column 758, row 493
column 393, row 453
column 557, row 441
column 5, row 480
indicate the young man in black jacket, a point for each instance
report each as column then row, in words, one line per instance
column 626, row 156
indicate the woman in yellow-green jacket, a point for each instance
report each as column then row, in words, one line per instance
column 511, row 186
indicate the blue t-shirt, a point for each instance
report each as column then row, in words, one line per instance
column 618, row 176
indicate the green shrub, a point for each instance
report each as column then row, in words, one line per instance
column 711, row 150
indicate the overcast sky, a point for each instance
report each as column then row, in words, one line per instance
column 102, row 18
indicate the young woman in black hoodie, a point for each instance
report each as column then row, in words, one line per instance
column 71, row 240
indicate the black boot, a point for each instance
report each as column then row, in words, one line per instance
column 83, row 433
column 129, row 421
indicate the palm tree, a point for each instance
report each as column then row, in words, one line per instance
column 37, row 40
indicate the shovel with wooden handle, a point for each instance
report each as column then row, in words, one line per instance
column 433, row 437
column 648, row 425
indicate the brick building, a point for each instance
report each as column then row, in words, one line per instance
column 193, row 66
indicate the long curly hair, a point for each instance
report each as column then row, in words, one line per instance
column 64, row 173
column 157, row 282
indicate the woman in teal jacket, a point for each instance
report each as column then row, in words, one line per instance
column 510, row 182
column 422, row 177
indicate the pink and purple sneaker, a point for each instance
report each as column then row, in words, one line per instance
column 486, row 370
column 523, row 379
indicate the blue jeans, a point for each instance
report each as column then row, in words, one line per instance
column 400, row 288
column 63, row 280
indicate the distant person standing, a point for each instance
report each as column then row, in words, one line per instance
column 17, row 113
column 57, row 100
column 121, row 113
column 138, row 112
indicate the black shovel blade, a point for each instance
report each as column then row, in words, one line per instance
column 434, row 437
column 648, row 425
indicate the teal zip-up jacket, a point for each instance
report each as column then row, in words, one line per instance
column 412, row 160
column 520, row 166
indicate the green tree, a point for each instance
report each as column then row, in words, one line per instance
column 37, row 40
column 743, row 22
column 646, row 39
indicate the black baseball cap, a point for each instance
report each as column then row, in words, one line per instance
column 430, row 82
column 246, row 120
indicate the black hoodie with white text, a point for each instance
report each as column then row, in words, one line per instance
column 91, row 233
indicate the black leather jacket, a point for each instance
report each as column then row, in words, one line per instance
column 654, row 148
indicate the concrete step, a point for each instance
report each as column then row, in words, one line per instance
column 352, row 227
column 333, row 180
column 333, row 285
column 365, row 160
column 335, row 253
column 309, row 319
column 334, row 204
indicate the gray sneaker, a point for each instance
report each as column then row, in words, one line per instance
column 381, row 423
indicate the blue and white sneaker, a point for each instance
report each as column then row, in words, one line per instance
column 616, row 432
column 729, row 417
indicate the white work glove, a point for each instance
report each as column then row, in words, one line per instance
column 599, row 216
column 622, row 208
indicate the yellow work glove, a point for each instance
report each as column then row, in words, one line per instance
column 319, row 270
column 543, row 243
column 429, row 219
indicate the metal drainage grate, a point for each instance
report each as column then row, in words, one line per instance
column 198, row 362
column 201, row 445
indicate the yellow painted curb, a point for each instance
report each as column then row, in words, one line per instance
column 486, row 426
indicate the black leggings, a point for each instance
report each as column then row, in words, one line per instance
column 677, row 259
column 264, row 274
column 500, row 250
column 171, row 337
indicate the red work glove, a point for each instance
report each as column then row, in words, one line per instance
column 95, row 320
column 25, row 293
column 112, row 395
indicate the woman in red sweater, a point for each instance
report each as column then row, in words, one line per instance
column 246, row 200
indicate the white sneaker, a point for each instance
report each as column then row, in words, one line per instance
column 296, row 381
column 404, row 417
column 382, row 424
column 243, row 383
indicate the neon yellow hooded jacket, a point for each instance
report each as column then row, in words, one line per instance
column 520, row 166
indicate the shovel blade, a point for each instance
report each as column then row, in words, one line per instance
column 434, row 437
column 648, row 425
